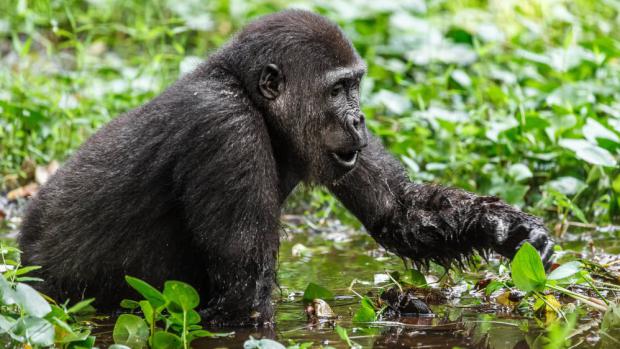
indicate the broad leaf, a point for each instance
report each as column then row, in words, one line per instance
column 31, row 301
column 182, row 294
column 34, row 330
column 147, row 291
column 565, row 270
column 366, row 312
column 314, row 291
column 262, row 344
column 166, row 340
column 527, row 269
column 131, row 330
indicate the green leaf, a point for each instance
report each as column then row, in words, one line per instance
column 589, row 152
column 414, row 278
column 342, row 333
column 565, row 270
column 611, row 319
column 262, row 344
column 80, row 306
column 89, row 342
column 34, row 330
column 7, row 294
column 71, row 336
column 181, row 293
column 366, row 312
column 616, row 184
column 166, row 340
column 176, row 315
column 519, row 172
column 131, row 330
column 147, row 291
column 314, row 291
column 31, row 301
column 147, row 310
column 492, row 287
column 118, row 346
column 6, row 323
column 205, row 333
column 25, row 270
column 528, row 272
column 129, row 304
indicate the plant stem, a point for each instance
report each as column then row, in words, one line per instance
column 184, row 334
column 588, row 300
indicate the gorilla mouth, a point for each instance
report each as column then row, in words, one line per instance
column 346, row 160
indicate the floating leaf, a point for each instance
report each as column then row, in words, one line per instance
column 314, row 291
column 262, row 344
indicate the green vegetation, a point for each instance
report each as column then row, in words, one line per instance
column 514, row 98
column 511, row 98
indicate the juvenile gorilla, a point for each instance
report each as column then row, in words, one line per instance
column 189, row 186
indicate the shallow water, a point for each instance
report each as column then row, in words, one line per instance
column 334, row 255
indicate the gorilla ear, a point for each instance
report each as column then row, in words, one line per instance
column 270, row 81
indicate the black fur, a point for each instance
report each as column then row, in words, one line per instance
column 189, row 186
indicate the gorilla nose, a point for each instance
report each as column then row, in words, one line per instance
column 357, row 128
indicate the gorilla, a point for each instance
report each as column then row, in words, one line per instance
column 190, row 185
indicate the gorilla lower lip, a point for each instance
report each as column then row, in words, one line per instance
column 346, row 159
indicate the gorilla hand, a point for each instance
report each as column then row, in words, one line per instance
column 446, row 224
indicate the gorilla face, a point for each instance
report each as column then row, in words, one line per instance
column 345, row 132
column 317, row 111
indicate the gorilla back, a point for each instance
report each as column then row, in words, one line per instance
column 189, row 186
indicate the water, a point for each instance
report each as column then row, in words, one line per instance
column 337, row 257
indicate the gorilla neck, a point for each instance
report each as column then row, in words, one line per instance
column 290, row 173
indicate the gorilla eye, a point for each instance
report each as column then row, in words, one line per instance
column 336, row 90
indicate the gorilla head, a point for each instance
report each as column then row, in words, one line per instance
column 305, row 75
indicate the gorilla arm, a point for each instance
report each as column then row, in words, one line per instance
column 425, row 222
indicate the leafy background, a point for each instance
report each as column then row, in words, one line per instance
column 515, row 98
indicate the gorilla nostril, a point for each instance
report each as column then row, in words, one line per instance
column 356, row 123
